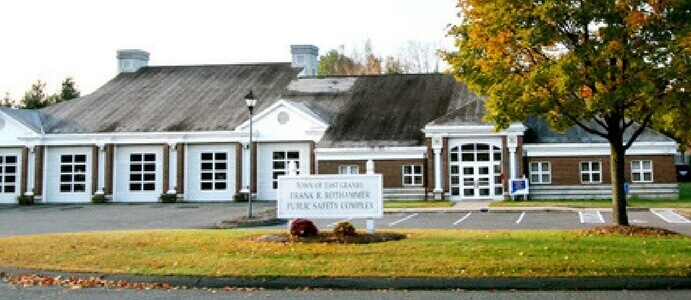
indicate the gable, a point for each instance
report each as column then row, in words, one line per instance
column 286, row 121
column 13, row 130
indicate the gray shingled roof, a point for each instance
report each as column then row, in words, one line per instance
column 469, row 114
column 385, row 110
column 177, row 98
column 30, row 118
column 539, row 132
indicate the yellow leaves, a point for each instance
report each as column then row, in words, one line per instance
column 636, row 19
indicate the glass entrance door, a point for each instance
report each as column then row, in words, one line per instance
column 475, row 172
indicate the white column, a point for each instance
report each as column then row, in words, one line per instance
column 512, row 143
column 101, row 169
column 245, row 166
column 438, row 188
column 369, row 165
column 31, row 171
column 172, row 168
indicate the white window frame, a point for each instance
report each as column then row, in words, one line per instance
column 589, row 172
column 219, row 173
column 348, row 169
column 145, row 184
column 73, row 173
column 637, row 168
column 540, row 171
column 277, row 171
column 409, row 172
column 5, row 174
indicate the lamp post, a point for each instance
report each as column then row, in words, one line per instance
column 251, row 102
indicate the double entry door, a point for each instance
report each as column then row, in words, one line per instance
column 475, row 172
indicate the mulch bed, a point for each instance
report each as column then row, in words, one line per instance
column 632, row 230
column 329, row 238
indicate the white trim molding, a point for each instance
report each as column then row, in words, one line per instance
column 596, row 149
column 367, row 153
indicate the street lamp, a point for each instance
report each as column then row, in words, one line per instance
column 251, row 103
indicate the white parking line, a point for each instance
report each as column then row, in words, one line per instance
column 520, row 218
column 670, row 217
column 591, row 217
column 336, row 223
column 462, row 219
column 402, row 220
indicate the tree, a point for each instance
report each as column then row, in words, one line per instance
column 35, row 98
column 69, row 90
column 393, row 66
column 336, row 63
column 606, row 66
column 6, row 101
column 420, row 57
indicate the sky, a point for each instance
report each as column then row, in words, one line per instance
column 52, row 40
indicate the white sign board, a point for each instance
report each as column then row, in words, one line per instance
column 330, row 196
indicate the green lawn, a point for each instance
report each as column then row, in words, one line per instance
column 425, row 253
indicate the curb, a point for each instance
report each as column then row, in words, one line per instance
column 589, row 283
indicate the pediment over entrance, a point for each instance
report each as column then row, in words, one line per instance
column 286, row 121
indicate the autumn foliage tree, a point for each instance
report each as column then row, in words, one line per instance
column 609, row 67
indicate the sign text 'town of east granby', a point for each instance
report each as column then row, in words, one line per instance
column 330, row 196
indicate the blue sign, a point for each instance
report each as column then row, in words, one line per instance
column 518, row 186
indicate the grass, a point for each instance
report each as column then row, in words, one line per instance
column 425, row 253
column 416, row 204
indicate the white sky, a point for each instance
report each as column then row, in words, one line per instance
column 51, row 40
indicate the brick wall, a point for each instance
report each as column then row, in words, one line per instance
column 566, row 170
column 392, row 170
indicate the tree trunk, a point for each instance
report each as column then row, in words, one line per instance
column 617, row 163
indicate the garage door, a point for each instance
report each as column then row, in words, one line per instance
column 10, row 173
column 273, row 160
column 68, row 175
column 138, row 173
column 210, row 172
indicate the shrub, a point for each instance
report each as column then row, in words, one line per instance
column 24, row 200
column 98, row 198
column 240, row 197
column 344, row 229
column 303, row 228
column 168, row 198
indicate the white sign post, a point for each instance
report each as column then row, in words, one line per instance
column 330, row 196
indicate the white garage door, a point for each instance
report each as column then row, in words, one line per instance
column 272, row 161
column 68, row 175
column 10, row 174
column 210, row 172
column 138, row 173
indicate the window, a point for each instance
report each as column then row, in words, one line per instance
column 8, row 174
column 540, row 173
column 281, row 159
column 642, row 171
column 142, row 172
column 412, row 175
column 214, row 171
column 72, row 173
column 591, row 172
column 348, row 170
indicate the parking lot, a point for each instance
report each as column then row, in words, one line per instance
column 521, row 220
column 77, row 218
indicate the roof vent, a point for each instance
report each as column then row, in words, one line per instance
column 131, row 60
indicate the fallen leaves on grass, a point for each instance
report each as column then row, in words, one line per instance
column 75, row 283
column 633, row 230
